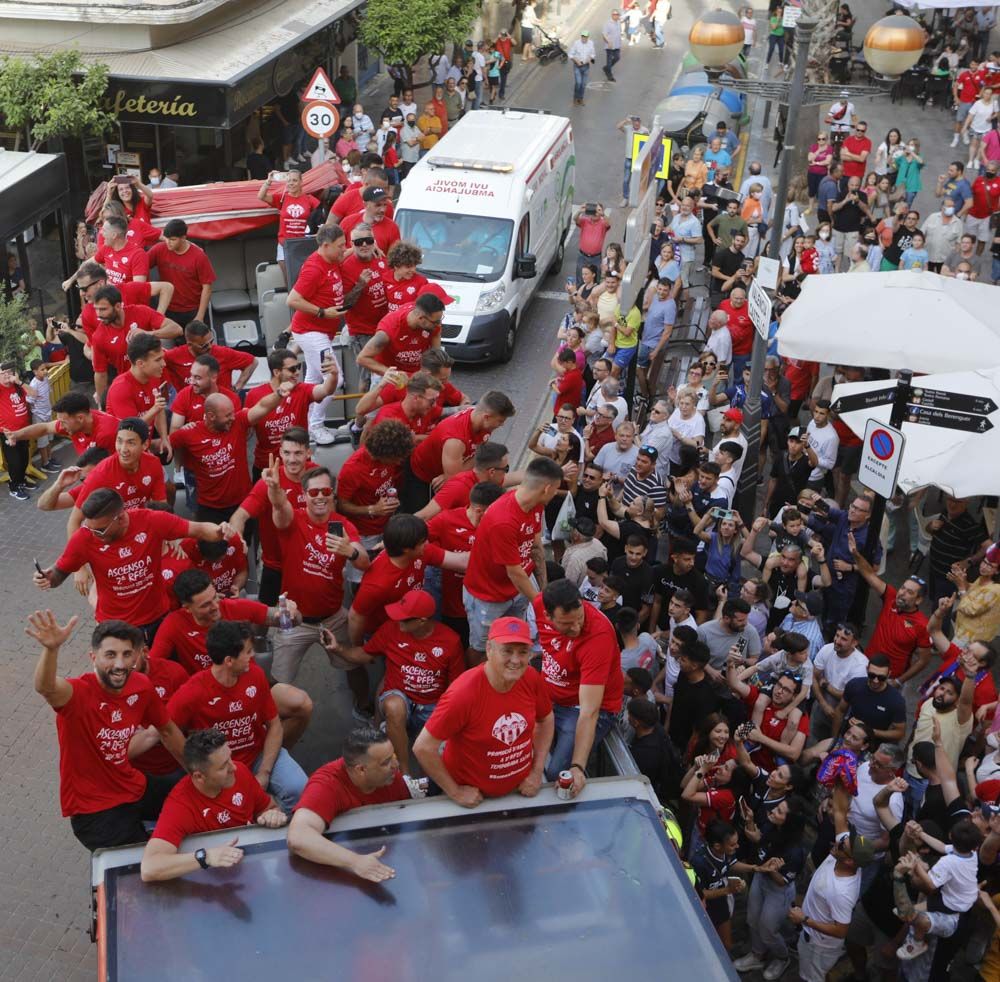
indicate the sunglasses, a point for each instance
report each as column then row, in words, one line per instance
column 320, row 492
column 503, row 470
column 872, row 677
column 367, row 240
column 646, row 449
column 106, row 531
column 917, row 579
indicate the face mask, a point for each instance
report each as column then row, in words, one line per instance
column 948, row 211
column 912, row 148
column 154, row 182
column 961, row 276
column 824, row 235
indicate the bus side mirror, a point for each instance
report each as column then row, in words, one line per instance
column 525, row 267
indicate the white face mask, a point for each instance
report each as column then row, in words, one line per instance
column 948, row 211
column 961, row 276
column 154, row 182
column 824, row 235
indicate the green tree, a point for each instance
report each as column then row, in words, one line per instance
column 53, row 95
column 15, row 335
column 404, row 33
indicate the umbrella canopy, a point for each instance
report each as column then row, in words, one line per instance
column 901, row 319
column 943, row 4
column 952, row 429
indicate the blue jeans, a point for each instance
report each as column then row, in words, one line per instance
column 767, row 917
column 626, row 178
column 482, row 613
column 561, row 754
column 288, row 780
column 658, row 34
column 477, row 99
column 580, row 73
column 611, row 58
column 775, row 41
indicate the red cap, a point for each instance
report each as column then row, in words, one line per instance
column 438, row 291
column 993, row 554
column 733, row 413
column 988, row 792
column 416, row 603
column 510, row 630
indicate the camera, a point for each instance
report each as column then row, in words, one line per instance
column 590, row 208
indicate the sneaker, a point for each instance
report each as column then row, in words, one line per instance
column 624, row 203
column 29, row 484
column 910, row 949
column 321, row 436
column 954, row 141
column 51, row 467
column 18, row 493
column 750, row 962
column 965, row 137
column 775, row 969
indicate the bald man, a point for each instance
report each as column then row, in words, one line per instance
column 215, row 451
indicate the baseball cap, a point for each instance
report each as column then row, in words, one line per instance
column 374, row 194
column 988, row 792
column 468, row 43
column 863, row 850
column 585, row 34
column 585, row 526
column 510, row 630
column 438, row 292
column 812, row 600
column 795, row 433
column 415, row 603
column 733, row 413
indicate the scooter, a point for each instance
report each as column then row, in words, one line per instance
column 551, row 49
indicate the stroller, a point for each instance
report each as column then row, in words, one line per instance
column 551, row 49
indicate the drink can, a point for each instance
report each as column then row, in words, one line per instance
column 391, row 492
column 564, row 785
column 417, row 786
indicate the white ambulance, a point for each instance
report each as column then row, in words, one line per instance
column 490, row 206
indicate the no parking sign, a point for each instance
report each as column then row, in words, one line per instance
column 881, row 454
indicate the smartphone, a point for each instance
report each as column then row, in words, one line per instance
column 326, row 355
column 123, row 179
column 164, row 389
column 570, row 281
column 335, row 528
column 590, row 208
column 720, row 513
column 280, row 175
column 741, row 645
column 822, row 506
column 38, row 568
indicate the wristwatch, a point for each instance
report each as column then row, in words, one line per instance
column 355, row 553
column 202, row 858
column 321, row 312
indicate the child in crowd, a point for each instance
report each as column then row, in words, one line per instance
column 39, row 398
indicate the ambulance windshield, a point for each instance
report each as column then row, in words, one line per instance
column 458, row 247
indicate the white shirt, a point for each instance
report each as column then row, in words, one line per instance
column 478, row 65
column 688, row 428
column 596, row 399
column 839, row 671
column 777, row 663
column 830, row 899
column 720, row 343
column 409, row 109
column 582, row 51
column 825, row 443
column 862, row 813
column 658, row 435
column 955, row 876
column 980, row 115
column 737, row 467
column 440, row 68
column 844, row 123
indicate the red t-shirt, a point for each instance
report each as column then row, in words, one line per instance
column 386, row 231
column 137, row 489
column 191, row 406
column 14, row 409
column 128, row 397
column 171, row 568
column 218, row 461
column 127, row 571
column 132, row 294
column 294, row 212
column 241, row 711
column 985, row 197
column 103, row 434
column 505, row 538
column 600, row 436
column 167, row 677
column 320, row 283
column 123, row 265
column 180, row 359
column 721, row 805
column 594, row 658
column 856, row 144
column 182, row 639
column 426, row 462
column 94, row 729
column 188, row 272
column 569, row 390
column 331, row 792
column 405, row 345
column 372, row 305
column 362, row 481
column 489, row 733
column 418, row 425
column 897, row 635
column 453, row 532
column 109, row 342
column 399, row 293
column 257, row 505
column 984, row 693
column 293, row 410
column 968, row 83
column 385, row 583
column 773, row 727
column 420, row 667
column 312, row 575
column 140, row 232
column 449, row 395
column 593, row 232
column 800, row 375
column 456, row 491
column 350, row 202
column 223, row 571
column 187, row 811
column 740, row 327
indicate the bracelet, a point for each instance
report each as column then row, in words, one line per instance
column 370, row 512
column 355, row 552
column 580, row 768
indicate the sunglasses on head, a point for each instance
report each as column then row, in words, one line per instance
column 646, row 449
column 917, row 579
column 320, row 492
column 367, row 240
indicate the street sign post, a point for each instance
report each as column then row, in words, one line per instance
column 946, row 418
column 881, row 454
column 958, row 401
column 864, row 400
column 759, row 305
column 320, row 119
column 321, row 88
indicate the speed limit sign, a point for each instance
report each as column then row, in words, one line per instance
column 320, row 119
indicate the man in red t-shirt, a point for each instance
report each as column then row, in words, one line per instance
column 186, row 266
column 124, row 550
column 294, row 206
column 363, row 264
column 854, row 152
column 507, row 551
column 373, row 215
column 404, row 335
column 985, row 204
column 367, row 774
column 215, row 450
column 97, row 714
column 198, row 340
column 225, row 562
column 189, row 403
column 372, row 175
column 965, row 91
column 140, row 391
column 91, row 276
column 490, row 463
column 403, row 284
column 740, row 327
column 779, row 730
column 123, row 261
column 85, row 426
column 568, row 385
column 217, row 793
column 15, row 416
column 233, row 696
column 594, row 227
column 422, row 658
column 582, row 669
column 369, row 480
column 392, row 387
column 418, row 410
column 495, row 721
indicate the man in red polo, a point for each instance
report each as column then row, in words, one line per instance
column 140, row 391
column 123, row 261
column 418, row 410
column 198, row 340
column 75, row 418
column 189, row 403
column 740, row 327
column 186, row 266
column 404, row 335
column 372, row 304
column 582, row 669
column 384, row 230
column 855, row 150
column 495, row 721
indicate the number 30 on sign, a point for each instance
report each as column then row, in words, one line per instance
column 320, row 119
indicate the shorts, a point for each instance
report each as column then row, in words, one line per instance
column 623, row 356
column 482, row 613
column 816, row 961
column 962, row 111
column 527, row 35
column 290, row 647
column 979, row 227
column 44, row 440
column 281, row 252
column 417, row 713
column 848, row 460
column 645, row 355
column 686, row 267
column 865, row 933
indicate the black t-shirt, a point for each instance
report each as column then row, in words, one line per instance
column 638, row 582
column 780, row 584
column 692, row 703
column 791, row 477
column 955, row 541
column 712, row 873
column 902, row 239
column 727, row 262
column 258, row 166
column 880, row 710
column 849, row 217
column 80, row 367
column 585, row 503
column 772, row 846
column 655, row 757
column 626, row 528
column 666, row 581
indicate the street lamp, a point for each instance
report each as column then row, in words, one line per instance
column 892, row 46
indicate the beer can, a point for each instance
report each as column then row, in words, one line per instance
column 564, row 785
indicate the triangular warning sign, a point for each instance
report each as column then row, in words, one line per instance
column 321, row 88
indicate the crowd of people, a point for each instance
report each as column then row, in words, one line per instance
column 495, row 624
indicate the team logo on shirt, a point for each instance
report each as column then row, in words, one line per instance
column 419, row 656
column 238, row 799
column 124, row 552
column 437, row 651
column 132, row 489
column 116, row 715
column 141, row 538
column 161, row 691
column 132, row 699
column 124, row 260
column 224, row 818
column 236, row 706
column 147, row 480
column 251, row 691
column 509, row 727
column 296, row 211
column 411, row 289
column 212, row 702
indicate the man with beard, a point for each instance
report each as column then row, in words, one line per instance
column 679, row 573
column 103, row 795
column 784, row 576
